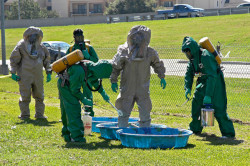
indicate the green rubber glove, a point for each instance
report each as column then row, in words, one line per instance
column 163, row 83
column 85, row 54
column 105, row 96
column 187, row 93
column 48, row 77
column 15, row 77
column 207, row 100
column 114, row 87
column 87, row 102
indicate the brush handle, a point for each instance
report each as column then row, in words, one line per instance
column 118, row 111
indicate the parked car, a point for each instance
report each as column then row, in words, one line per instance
column 54, row 46
column 183, row 10
column 243, row 5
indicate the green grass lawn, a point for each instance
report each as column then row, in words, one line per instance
column 229, row 30
column 38, row 142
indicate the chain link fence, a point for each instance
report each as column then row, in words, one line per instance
column 236, row 64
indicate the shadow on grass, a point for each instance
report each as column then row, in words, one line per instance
column 104, row 144
column 215, row 140
column 37, row 122
column 189, row 146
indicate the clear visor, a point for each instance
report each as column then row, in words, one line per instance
column 79, row 39
column 137, row 39
column 33, row 38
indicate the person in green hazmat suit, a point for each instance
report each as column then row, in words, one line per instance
column 210, row 87
column 133, row 60
column 85, row 75
column 89, row 54
column 27, row 61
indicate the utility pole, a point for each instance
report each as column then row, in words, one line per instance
column 4, row 67
column 19, row 10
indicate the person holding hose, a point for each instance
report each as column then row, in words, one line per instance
column 85, row 75
column 91, row 56
column 210, row 87
column 133, row 60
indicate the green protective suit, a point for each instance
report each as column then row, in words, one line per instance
column 93, row 58
column 70, row 94
column 211, row 83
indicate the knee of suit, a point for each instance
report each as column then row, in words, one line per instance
column 40, row 100
column 223, row 116
column 25, row 99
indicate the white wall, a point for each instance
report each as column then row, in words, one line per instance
column 61, row 7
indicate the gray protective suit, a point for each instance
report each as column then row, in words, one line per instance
column 133, row 59
column 28, row 60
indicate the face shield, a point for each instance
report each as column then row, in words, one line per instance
column 188, row 53
column 32, row 44
column 33, row 38
column 79, row 39
column 138, row 43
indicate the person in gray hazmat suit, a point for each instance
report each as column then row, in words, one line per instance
column 27, row 61
column 133, row 59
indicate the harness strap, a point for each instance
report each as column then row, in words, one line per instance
column 86, row 46
column 86, row 78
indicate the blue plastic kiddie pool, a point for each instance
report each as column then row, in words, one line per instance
column 154, row 137
column 108, row 130
column 97, row 120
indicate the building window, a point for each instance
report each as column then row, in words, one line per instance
column 49, row 8
column 49, row 0
column 97, row 8
column 168, row 4
column 82, row 9
column 79, row 9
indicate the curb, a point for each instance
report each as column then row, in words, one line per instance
column 229, row 62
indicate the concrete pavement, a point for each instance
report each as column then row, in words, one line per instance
column 231, row 69
column 178, row 67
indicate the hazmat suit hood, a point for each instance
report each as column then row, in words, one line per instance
column 138, row 40
column 33, row 30
column 101, row 69
column 32, row 40
column 192, row 45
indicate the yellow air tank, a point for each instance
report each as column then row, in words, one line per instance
column 70, row 59
column 206, row 44
column 87, row 41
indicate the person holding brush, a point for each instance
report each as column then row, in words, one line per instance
column 82, row 75
column 90, row 55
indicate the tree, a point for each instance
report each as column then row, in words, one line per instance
column 29, row 10
column 130, row 6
